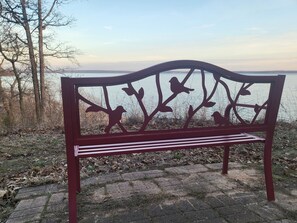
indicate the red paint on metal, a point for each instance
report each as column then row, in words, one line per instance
column 224, row 132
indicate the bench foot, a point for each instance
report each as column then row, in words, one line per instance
column 268, row 169
column 73, row 187
column 72, row 207
column 269, row 181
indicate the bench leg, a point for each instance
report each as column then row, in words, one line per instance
column 268, row 169
column 72, row 189
column 72, row 205
column 225, row 159
column 77, row 175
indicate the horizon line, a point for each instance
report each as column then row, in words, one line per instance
column 130, row 71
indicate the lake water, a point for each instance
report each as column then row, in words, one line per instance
column 287, row 111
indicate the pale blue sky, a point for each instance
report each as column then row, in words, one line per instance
column 132, row 34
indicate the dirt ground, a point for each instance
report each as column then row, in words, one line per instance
column 29, row 158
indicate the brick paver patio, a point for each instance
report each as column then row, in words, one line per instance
column 193, row 193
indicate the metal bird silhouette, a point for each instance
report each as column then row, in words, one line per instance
column 177, row 87
column 219, row 119
column 115, row 116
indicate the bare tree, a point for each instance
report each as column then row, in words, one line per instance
column 24, row 21
column 31, row 18
column 13, row 51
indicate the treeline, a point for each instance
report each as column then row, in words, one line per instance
column 27, row 42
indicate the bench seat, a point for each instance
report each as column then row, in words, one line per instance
column 155, row 145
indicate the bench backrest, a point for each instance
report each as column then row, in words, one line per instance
column 173, row 99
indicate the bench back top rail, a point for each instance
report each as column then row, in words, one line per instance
column 186, row 98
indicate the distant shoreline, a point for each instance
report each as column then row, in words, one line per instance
column 126, row 71
column 92, row 71
column 269, row 71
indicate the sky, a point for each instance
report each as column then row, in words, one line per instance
column 239, row 35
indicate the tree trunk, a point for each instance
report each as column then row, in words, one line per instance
column 41, row 60
column 7, row 101
column 4, row 99
column 10, row 103
column 20, row 90
column 32, row 61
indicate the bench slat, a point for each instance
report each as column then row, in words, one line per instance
column 130, row 147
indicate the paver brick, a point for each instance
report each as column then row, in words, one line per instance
column 155, row 210
column 143, row 174
column 103, row 179
column 214, row 202
column 57, row 203
column 218, row 166
column 198, row 204
column 126, row 189
column 24, row 219
column 99, row 195
column 246, row 198
column 284, row 221
column 215, row 166
column 214, row 220
column 31, row 203
column 28, row 210
column 169, row 218
column 249, row 177
column 171, row 185
column 230, row 210
column 197, row 168
column 194, row 183
column 130, row 216
column 133, row 176
column 286, row 201
column 227, row 201
column 28, row 192
column 244, row 217
column 268, row 212
column 185, row 205
column 201, row 215
column 145, row 187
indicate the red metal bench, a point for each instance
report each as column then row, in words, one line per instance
column 198, row 104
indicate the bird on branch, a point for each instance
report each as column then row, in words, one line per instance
column 177, row 87
column 219, row 119
column 115, row 117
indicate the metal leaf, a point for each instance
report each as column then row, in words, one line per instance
column 257, row 108
column 165, row 109
column 209, row 104
column 191, row 110
column 93, row 108
column 129, row 91
column 141, row 93
column 244, row 92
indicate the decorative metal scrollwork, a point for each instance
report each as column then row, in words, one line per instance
column 220, row 118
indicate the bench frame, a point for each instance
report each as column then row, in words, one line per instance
column 78, row 146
